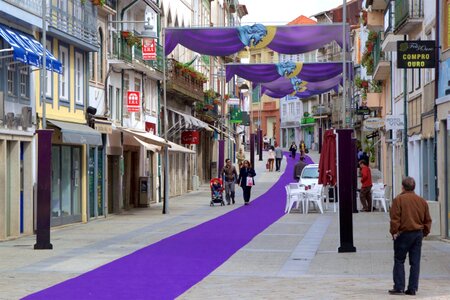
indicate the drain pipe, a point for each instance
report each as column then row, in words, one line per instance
column 436, row 91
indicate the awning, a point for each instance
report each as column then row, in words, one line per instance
column 27, row 50
column 148, row 146
column 73, row 133
column 224, row 133
column 192, row 121
column 146, row 137
column 180, row 149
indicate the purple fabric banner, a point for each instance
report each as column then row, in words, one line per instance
column 260, row 73
column 293, row 39
column 301, row 95
column 284, row 86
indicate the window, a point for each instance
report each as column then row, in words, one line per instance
column 64, row 77
column 410, row 80
column 117, row 107
column 12, row 78
column 100, row 58
column 24, row 83
column 126, row 87
column 299, row 109
column 79, row 79
column 137, row 84
column 91, row 66
column 417, row 78
column 49, row 89
column 284, row 109
column 291, row 109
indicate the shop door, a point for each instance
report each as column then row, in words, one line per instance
column 66, row 185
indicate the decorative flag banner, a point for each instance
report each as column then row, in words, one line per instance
column 286, row 86
column 229, row 40
column 310, row 72
column 235, row 114
column 133, row 101
column 301, row 95
column 148, row 49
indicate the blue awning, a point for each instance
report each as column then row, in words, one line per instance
column 27, row 50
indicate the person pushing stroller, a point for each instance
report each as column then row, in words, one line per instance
column 229, row 174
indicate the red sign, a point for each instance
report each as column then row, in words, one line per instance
column 148, row 49
column 133, row 101
column 150, row 127
column 190, row 137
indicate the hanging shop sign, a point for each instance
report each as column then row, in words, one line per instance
column 190, row 137
column 416, row 54
column 133, row 101
column 363, row 111
column 372, row 124
column 233, row 101
column 394, row 122
column 148, row 49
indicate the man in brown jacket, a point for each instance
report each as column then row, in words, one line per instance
column 410, row 222
column 229, row 174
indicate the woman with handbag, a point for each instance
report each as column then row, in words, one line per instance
column 246, row 180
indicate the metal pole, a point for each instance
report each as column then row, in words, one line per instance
column 405, row 116
column 260, row 140
column 344, row 58
column 44, row 64
column 166, row 149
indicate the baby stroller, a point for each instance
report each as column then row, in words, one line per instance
column 216, row 186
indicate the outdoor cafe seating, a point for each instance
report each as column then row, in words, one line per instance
column 299, row 196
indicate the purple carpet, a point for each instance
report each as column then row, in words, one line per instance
column 168, row 268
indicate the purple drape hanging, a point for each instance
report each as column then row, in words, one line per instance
column 285, row 86
column 261, row 73
column 293, row 39
column 304, row 94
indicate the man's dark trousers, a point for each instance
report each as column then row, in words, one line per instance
column 407, row 242
column 278, row 164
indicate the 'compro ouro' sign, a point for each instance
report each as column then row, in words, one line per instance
column 416, row 54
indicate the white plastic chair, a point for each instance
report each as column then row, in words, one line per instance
column 293, row 197
column 327, row 198
column 381, row 195
column 315, row 195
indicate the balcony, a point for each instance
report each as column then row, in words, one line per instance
column 408, row 15
column 123, row 52
column 75, row 23
column 182, row 84
column 381, row 64
column 321, row 110
column 375, row 20
column 376, row 4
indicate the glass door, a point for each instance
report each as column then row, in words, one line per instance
column 56, row 210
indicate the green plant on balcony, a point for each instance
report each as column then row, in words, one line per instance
column 210, row 95
column 189, row 71
column 131, row 39
column 98, row 2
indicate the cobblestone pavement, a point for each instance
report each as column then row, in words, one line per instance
column 295, row 258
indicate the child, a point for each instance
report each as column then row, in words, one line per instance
column 216, row 189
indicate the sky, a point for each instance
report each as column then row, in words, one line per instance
column 281, row 12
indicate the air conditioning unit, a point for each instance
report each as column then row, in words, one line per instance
column 9, row 120
column 27, row 114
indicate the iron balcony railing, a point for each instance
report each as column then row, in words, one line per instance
column 123, row 51
column 74, row 17
column 378, row 55
column 407, row 9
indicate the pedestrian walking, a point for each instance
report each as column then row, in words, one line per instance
column 229, row 174
column 246, row 180
column 240, row 157
column 271, row 159
column 298, row 168
column 365, row 195
column 293, row 149
column 302, row 147
column 410, row 222
column 278, row 158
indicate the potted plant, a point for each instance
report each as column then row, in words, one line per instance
column 99, row 2
column 133, row 40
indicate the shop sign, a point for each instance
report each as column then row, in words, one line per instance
column 394, row 122
column 416, row 54
column 190, row 137
column 372, row 124
column 233, row 101
column 148, row 49
column 103, row 128
column 133, row 101
column 363, row 111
